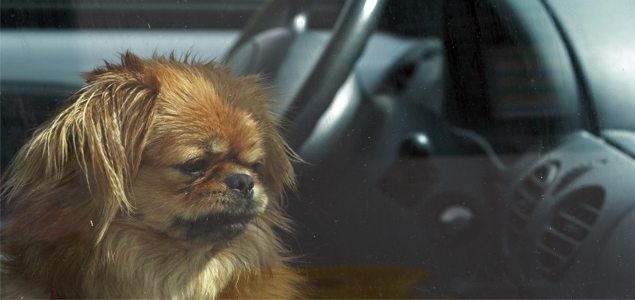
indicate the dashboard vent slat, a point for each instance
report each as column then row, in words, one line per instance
column 573, row 219
column 551, row 252
column 589, row 208
column 571, row 222
column 563, row 236
column 526, row 197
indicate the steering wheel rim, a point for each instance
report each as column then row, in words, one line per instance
column 333, row 66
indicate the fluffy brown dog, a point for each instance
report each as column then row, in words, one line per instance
column 162, row 178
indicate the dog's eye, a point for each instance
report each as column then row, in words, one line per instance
column 256, row 166
column 194, row 166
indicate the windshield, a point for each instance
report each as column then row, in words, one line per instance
column 317, row 149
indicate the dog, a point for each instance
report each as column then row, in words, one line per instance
column 160, row 178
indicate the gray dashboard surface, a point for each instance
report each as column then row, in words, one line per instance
column 569, row 213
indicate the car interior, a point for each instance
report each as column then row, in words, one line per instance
column 449, row 148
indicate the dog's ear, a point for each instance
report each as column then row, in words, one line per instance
column 278, row 173
column 117, row 108
column 120, row 101
column 278, row 168
column 97, row 141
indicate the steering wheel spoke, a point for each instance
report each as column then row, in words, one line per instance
column 263, row 48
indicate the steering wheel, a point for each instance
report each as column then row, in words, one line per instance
column 276, row 32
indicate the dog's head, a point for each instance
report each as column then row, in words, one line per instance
column 212, row 157
column 181, row 147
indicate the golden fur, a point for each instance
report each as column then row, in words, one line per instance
column 107, row 198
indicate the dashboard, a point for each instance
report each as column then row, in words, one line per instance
column 564, row 211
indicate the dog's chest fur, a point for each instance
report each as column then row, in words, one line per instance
column 129, row 264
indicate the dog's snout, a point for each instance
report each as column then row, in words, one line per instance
column 241, row 183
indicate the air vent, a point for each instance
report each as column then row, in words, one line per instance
column 571, row 223
column 530, row 191
column 571, row 176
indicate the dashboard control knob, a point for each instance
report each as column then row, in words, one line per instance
column 416, row 145
column 456, row 220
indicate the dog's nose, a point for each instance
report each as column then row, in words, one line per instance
column 241, row 183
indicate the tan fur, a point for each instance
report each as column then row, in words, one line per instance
column 94, row 195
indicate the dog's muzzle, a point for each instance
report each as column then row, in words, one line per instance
column 215, row 227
